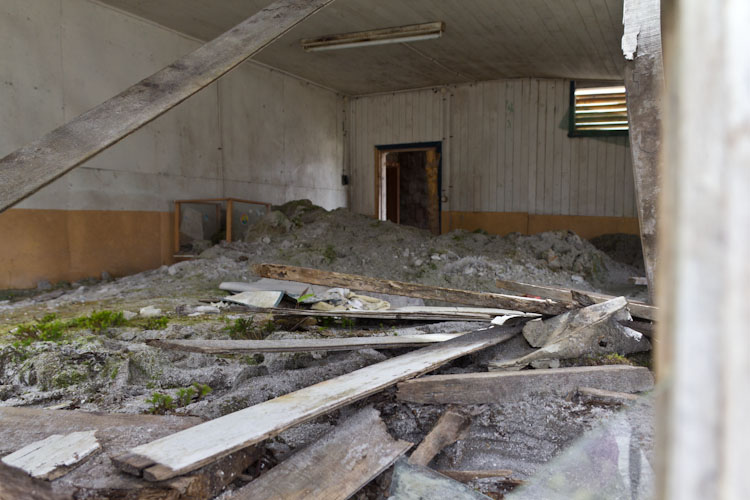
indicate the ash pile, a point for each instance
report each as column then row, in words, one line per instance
column 329, row 355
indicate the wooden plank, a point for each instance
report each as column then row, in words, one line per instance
column 26, row 170
column 55, row 455
column 644, row 82
column 20, row 486
column 501, row 387
column 593, row 395
column 450, row 427
column 333, row 468
column 187, row 450
column 407, row 313
column 638, row 309
column 703, row 275
column 301, row 345
column 97, row 477
column 377, row 285
column 469, row 475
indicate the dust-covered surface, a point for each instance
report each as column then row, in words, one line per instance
column 110, row 367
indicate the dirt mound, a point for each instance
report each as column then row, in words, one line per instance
column 623, row 248
column 300, row 233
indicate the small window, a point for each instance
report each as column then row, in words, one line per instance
column 597, row 109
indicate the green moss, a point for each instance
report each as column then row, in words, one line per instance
column 68, row 378
column 330, row 254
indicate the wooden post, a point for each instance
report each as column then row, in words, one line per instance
column 229, row 220
column 704, row 275
column 177, row 227
column 644, row 84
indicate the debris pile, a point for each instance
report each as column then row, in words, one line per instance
column 330, row 356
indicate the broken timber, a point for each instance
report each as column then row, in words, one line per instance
column 357, row 450
column 423, row 313
column 450, row 427
column 376, row 285
column 501, row 387
column 192, row 448
column 644, row 84
column 55, row 455
column 301, row 345
column 565, row 295
column 35, row 165
column 97, row 477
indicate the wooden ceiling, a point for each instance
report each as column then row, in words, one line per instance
column 484, row 39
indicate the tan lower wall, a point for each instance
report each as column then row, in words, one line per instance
column 508, row 222
column 73, row 244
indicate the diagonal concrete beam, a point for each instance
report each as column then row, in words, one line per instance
column 26, row 170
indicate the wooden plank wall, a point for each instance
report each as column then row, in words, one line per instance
column 505, row 149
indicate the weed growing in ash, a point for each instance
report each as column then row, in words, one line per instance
column 245, row 328
column 164, row 403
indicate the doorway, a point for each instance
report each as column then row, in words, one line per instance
column 407, row 184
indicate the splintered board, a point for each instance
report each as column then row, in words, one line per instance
column 30, row 168
column 334, row 467
column 565, row 295
column 192, row 448
column 377, row 285
column 301, row 345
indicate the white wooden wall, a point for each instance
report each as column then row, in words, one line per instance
column 505, row 149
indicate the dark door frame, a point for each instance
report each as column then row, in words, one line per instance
column 380, row 153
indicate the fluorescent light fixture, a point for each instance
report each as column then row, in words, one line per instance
column 399, row 34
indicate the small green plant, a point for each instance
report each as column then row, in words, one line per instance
column 156, row 323
column 47, row 329
column 268, row 328
column 163, row 403
column 160, row 403
column 348, row 323
column 99, row 321
column 330, row 254
column 185, row 396
column 325, row 322
column 245, row 328
column 203, row 390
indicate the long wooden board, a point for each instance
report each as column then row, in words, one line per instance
column 377, row 285
column 301, row 345
column 410, row 314
column 638, row 309
column 500, row 387
column 192, row 448
column 97, row 477
column 35, row 165
column 334, row 467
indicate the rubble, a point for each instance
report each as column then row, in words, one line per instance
column 186, row 336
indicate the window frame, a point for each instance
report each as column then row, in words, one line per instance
column 574, row 132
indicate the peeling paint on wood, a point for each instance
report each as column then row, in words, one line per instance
column 54, row 456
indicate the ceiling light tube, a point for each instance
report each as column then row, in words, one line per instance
column 400, row 34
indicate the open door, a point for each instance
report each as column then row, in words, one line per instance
column 408, row 185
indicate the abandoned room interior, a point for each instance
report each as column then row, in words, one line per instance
column 332, row 249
